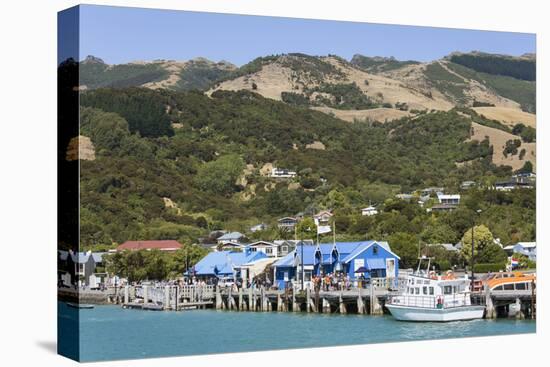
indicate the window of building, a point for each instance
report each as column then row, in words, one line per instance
column 253, row 249
column 269, row 250
column 284, row 248
column 375, row 250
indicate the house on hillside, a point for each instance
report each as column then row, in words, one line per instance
column 528, row 249
column 287, row 223
column 354, row 259
column 448, row 199
column 282, row 173
column 235, row 237
column 322, row 218
column 369, row 210
column 228, row 246
column 162, row 245
column 513, row 185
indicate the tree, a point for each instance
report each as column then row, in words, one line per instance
column 219, row 176
column 405, row 245
column 438, row 233
column 187, row 256
column 482, row 238
column 306, row 229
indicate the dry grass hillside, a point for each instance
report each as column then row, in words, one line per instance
column 509, row 116
column 498, row 139
column 271, row 81
column 392, row 90
column 374, row 114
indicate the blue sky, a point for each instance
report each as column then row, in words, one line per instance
column 119, row 35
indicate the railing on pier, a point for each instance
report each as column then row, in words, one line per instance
column 186, row 293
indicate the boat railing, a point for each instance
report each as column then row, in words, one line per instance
column 414, row 301
column 447, row 301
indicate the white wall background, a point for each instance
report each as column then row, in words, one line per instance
column 28, row 180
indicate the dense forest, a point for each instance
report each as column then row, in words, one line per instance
column 524, row 69
column 176, row 165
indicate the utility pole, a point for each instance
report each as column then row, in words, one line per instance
column 472, row 259
column 302, row 261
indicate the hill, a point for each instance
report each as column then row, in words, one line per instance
column 209, row 168
column 198, row 73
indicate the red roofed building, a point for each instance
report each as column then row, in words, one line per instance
column 163, row 245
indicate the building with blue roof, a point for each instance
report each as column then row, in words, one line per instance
column 224, row 264
column 366, row 258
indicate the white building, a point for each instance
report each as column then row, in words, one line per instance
column 282, row 173
column 369, row 210
column 449, row 199
column 268, row 248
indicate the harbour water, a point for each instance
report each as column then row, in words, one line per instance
column 110, row 332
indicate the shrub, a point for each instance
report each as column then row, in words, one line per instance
column 489, row 267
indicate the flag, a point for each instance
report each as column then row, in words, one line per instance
column 514, row 262
column 323, row 229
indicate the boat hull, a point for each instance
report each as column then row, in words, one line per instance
column 406, row 313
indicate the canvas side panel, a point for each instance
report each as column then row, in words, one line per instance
column 68, row 182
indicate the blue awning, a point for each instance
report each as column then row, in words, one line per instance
column 376, row 264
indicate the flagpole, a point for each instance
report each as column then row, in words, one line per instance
column 334, row 232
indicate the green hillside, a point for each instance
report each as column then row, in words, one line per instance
column 521, row 91
column 199, row 166
column 99, row 75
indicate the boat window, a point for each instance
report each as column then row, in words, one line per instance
column 508, row 287
column 417, row 290
column 454, row 288
column 411, row 290
column 447, row 289
column 499, row 288
column 521, row 286
column 424, row 290
column 431, row 291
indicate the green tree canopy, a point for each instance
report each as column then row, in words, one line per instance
column 482, row 238
column 219, row 176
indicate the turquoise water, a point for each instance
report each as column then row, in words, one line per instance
column 110, row 332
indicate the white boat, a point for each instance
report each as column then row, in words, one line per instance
column 431, row 297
